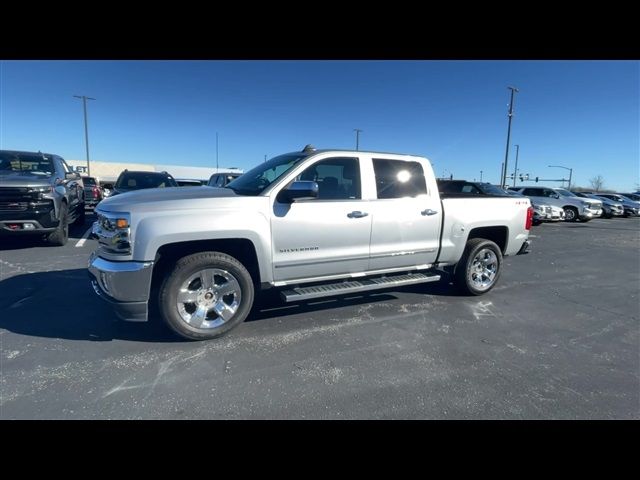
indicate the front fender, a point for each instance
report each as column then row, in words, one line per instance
column 153, row 231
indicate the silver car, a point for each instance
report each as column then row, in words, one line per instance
column 575, row 208
column 610, row 208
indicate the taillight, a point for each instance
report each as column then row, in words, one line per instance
column 529, row 222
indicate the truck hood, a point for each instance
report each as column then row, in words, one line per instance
column 24, row 179
column 154, row 199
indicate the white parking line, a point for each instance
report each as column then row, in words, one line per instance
column 84, row 237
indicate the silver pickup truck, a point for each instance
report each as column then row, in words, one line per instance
column 313, row 223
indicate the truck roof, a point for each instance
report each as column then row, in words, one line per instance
column 347, row 150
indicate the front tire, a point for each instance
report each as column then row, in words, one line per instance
column 570, row 214
column 60, row 236
column 206, row 295
column 479, row 268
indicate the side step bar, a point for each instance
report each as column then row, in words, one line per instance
column 341, row 288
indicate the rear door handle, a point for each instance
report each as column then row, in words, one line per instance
column 357, row 214
column 428, row 211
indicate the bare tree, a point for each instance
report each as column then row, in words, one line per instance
column 597, row 182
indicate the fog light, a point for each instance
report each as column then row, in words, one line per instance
column 29, row 226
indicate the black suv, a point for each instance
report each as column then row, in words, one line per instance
column 39, row 195
column 138, row 180
column 463, row 188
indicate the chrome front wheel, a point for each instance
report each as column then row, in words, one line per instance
column 209, row 298
column 206, row 295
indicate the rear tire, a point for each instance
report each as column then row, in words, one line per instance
column 479, row 268
column 60, row 236
column 206, row 295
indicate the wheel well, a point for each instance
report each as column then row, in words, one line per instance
column 240, row 248
column 498, row 235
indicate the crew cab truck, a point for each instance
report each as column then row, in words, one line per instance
column 312, row 223
column 39, row 196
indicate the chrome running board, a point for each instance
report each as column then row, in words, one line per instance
column 356, row 286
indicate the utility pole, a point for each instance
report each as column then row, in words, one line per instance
column 515, row 172
column 86, row 127
column 480, row 176
column 503, row 180
column 217, row 168
column 357, row 130
column 265, row 158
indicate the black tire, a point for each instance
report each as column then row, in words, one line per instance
column 79, row 221
column 463, row 276
column 570, row 214
column 60, row 236
column 82, row 215
column 185, row 269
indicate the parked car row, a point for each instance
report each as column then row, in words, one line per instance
column 552, row 204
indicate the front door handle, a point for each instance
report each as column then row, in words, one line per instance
column 428, row 211
column 357, row 214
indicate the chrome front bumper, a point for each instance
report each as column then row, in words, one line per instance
column 125, row 285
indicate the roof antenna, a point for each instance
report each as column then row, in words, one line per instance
column 309, row 148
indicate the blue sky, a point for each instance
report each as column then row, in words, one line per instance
column 580, row 114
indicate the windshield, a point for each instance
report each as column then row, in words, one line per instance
column 256, row 180
column 30, row 163
column 139, row 180
column 565, row 193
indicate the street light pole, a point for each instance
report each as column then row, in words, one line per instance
column 566, row 168
column 515, row 172
column 503, row 180
column 357, row 130
column 217, row 168
column 86, row 127
column 480, row 176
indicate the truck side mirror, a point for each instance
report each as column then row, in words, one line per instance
column 72, row 175
column 302, row 190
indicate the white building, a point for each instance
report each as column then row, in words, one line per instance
column 107, row 172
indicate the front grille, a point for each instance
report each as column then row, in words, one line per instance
column 18, row 194
column 13, row 206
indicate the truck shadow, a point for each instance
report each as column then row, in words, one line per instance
column 62, row 304
column 271, row 305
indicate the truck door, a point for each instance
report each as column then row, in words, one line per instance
column 406, row 216
column 328, row 235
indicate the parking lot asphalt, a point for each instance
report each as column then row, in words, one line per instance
column 557, row 338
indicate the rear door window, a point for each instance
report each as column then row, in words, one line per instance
column 398, row 178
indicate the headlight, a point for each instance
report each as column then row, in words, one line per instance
column 114, row 232
column 42, row 191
